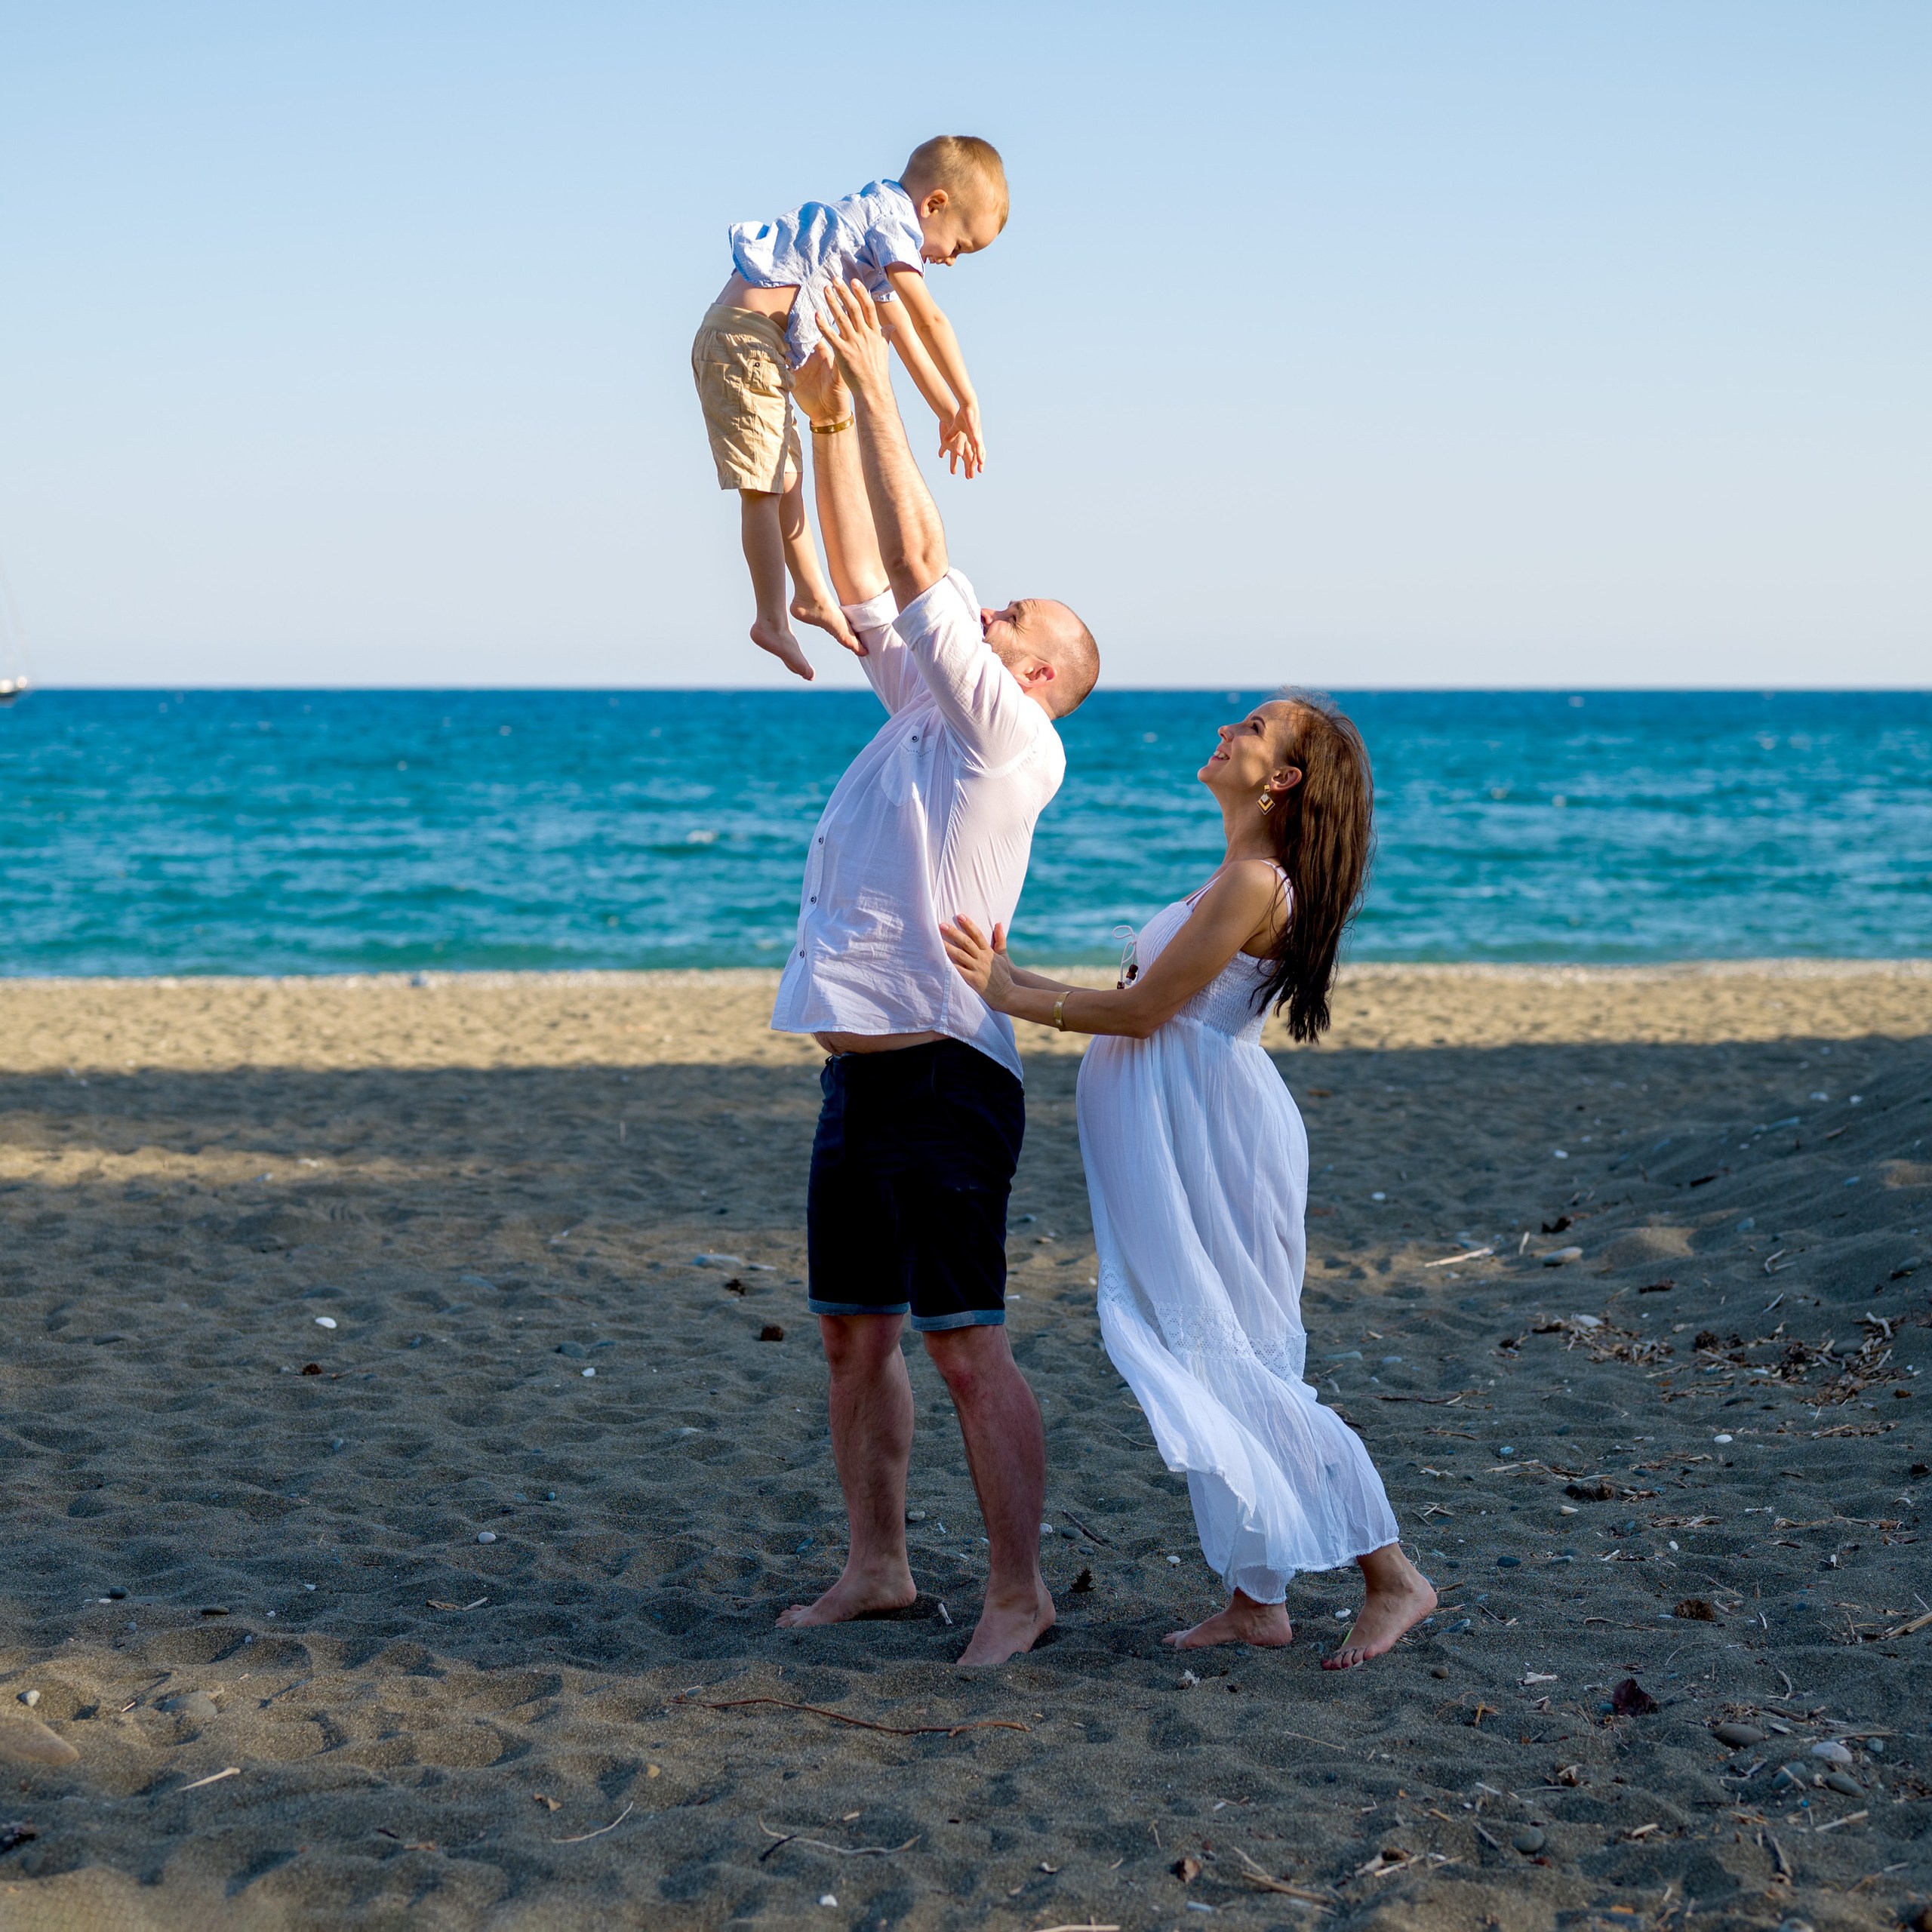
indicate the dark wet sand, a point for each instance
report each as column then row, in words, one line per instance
column 489, row 1186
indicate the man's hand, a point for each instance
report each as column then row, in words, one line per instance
column 961, row 440
column 983, row 964
column 821, row 394
column 852, row 327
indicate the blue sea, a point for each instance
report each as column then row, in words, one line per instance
column 233, row 832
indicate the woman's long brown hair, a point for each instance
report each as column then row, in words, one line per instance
column 1323, row 831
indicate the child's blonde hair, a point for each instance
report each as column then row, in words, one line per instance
column 969, row 169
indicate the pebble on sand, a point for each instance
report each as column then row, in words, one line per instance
column 1529, row 1841
column 1833, row 1751
column 325, row 1322
column 486, row 1536
column 25, row 1741
column 1561, row 1257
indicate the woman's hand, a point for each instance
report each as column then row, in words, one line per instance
column 983, row 964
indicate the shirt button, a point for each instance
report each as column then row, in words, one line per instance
column 814, row 900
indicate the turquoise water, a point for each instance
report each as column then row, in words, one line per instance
column 311, row 832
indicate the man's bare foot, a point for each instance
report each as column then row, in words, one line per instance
column 1004, row 1630
column 856, row 1593
column 1244, row 1621
column 828, row 617
column 783, row 646
column 1387, row 1614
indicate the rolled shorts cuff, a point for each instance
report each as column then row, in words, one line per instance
column 856, row 1308
column 973, row 1318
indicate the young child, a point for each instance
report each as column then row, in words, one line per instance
column 951, row 201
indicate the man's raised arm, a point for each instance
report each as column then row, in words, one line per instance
column 845, row 518
column 911, row 537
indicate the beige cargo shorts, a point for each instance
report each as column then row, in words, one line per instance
column 744, row 384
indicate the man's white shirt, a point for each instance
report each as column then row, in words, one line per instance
column 935, row 817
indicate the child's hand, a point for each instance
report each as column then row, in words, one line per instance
column 982, row 965
column 961, row 440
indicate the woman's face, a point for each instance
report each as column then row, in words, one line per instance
column 1249, row 755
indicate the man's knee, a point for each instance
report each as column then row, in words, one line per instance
column 966, row 1358
column 859, row 1344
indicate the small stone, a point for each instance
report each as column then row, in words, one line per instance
column 29, row 1698
column 576, row 1350
column 312, row 1368
column 27, row 1741
column 1832, row 1751
column 1529, row 1841
column 486, row 1536
column 772, row 1331
column 915, row 1516
column 1509, row 1562
column 1738, row 1737
column 1696, row 1609
column 1561, row 1257
column 325, row 1322
column 1845, row 1782
column 1438, row 1670
column 587, row 1372
column 191, row 1704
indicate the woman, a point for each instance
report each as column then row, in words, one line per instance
column 1197, row 1167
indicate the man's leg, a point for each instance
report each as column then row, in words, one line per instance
column 871, row 1443
column 1006, row 1450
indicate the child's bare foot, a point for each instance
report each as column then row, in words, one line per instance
column 828, row 617
column 1244, row 1621
column 1396, row 1601
column 783, row 646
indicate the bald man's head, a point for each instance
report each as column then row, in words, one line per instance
column 1047, row 649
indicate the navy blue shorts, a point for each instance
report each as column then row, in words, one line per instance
column 911, row 1166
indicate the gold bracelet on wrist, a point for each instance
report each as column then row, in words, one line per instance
column 1059, row 1011
column 833, row 428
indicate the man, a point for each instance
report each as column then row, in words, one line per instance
column 923, row 1112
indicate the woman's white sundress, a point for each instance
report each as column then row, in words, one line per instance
column 1197, row 1167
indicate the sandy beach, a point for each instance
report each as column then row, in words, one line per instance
column 412, row 1424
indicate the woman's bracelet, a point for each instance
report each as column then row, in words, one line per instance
column 833, row 428
column 1059, row 1011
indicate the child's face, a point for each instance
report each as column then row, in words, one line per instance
column 948, row 229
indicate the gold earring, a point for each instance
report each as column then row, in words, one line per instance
column 1267, row 802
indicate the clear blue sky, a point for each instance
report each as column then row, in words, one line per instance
column 1360, row 344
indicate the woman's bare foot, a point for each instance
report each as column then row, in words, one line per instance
column 1004, row 1630
column 828, row 617
column 1399, row 1597
column 1244, row 1621
column 783, row 646
column 856, row 1593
